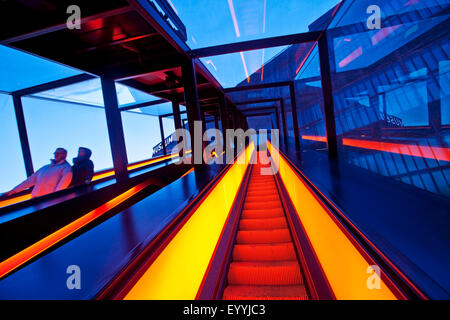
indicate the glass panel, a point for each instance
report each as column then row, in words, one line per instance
column 308, row 89
column 391, row 88
column 169, row 133
column 160, row 109
column 12, row 167
column 142, row 135
column 52, row 124
column 211, row 23
column 21, row 70
column 258, row 66
column 90, row 92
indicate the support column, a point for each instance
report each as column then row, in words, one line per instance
column 236, row 119
column 115, row 129
column 178, row 125
column 327, row 91
column 283, row 120
column 176, row 115
column 277, row 117
column 23, row 136
column 216, row 122
column 223, row 110
column 163, row 140
column 294, row 113
column 192, row 107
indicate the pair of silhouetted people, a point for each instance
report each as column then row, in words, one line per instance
column 59, row 175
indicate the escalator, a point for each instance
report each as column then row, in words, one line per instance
column 264, row 262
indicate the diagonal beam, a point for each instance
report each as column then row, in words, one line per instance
column 258, row 86
column 54, row 84
column 143, row 105
column 255, row 44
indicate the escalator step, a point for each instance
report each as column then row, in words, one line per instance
column 263, row 236
column 265, row 273
column 268, row 197
column 263, row 205
column 294, row 292
column 262, row 213
column 264, row 252
column 262, row 192
column 263, row 224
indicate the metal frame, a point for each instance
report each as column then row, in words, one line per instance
column 327, row 92
column 291, row 85
column 159, row 23
column 115, row 129
column 163, row 138
column 255, row 44
column 143, row 105
column 23, row 136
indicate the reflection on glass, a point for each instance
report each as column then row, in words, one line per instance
column 391, row 89
column 52, row 124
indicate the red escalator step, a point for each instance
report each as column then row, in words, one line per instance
column 294, row 292
column 263, row 236
column 265, row 273
column 262, row 213
column 262, row 205
column 259, row 198
column 263, row 224
column 264, row 252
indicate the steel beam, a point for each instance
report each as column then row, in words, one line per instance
column 327, row 91
column 115, row 129
column 192, row 107
column 23, row 136
column 53, row 84
column 255, row 44
column 294, row 113
column 163, row 138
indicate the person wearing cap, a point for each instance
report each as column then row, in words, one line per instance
column 83, row 167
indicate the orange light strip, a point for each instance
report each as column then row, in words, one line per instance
column 346, row 268
column 436, row 153
column 25, row 255
column 192, row 170
column 315, row 138
column 11, row 201
column 110, row 173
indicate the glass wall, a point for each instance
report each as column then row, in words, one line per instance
column 391, row 88
column 142, row 135
column 52, row 124
column 308, row 90
column 12, row 168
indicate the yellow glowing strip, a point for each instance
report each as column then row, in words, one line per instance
column 344, row 266
column 178, row 271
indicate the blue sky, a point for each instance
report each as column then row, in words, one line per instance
column 215, row 22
